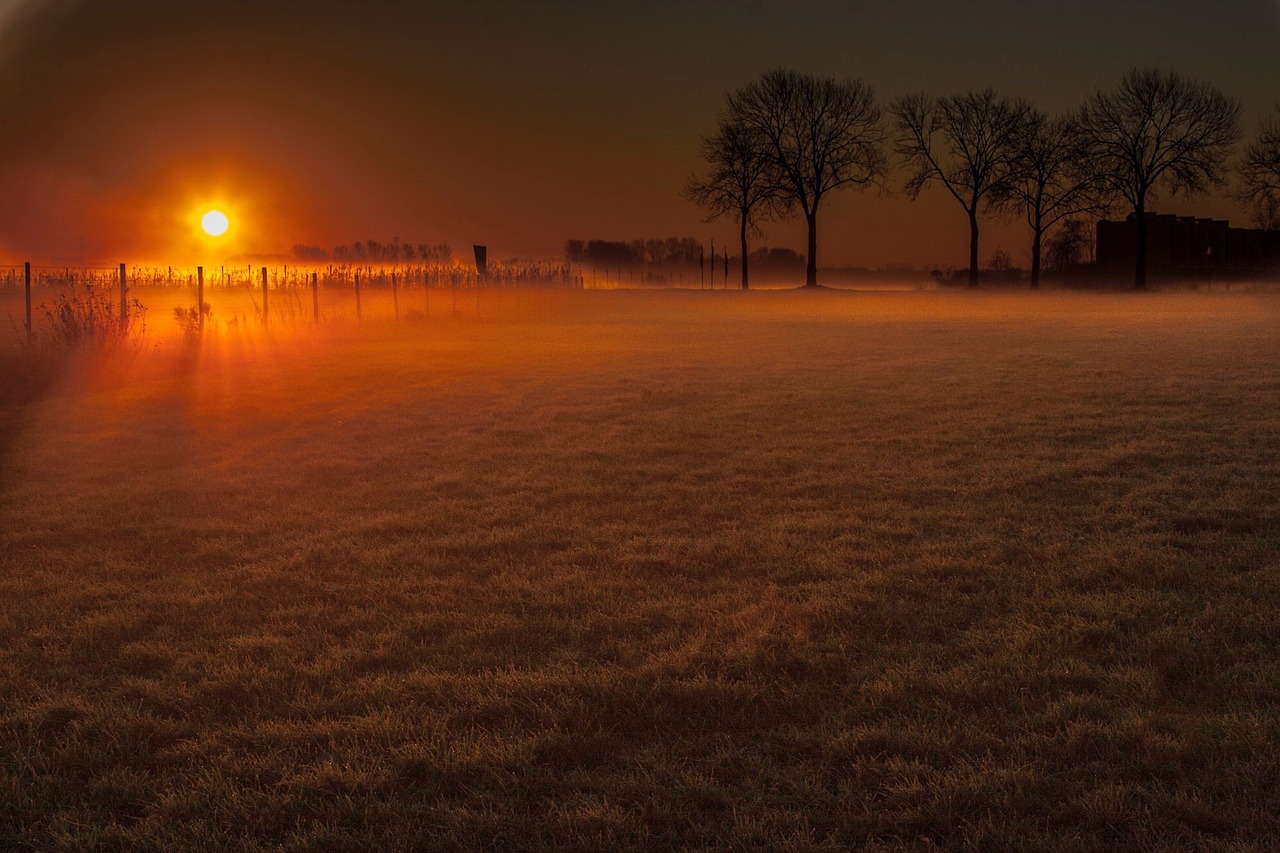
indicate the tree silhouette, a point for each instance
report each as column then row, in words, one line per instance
column 575, row 250
column 979, row 152
column 1053, row 179
column 819, row 134
column 1068, row 247
column 1159, row 130
column 1260, row 175
column 740, row 182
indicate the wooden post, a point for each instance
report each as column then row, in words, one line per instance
column 124, row 298
column 26, row 275
column 200, row 298
column 315, row 296
column 265, row 314
column 357, row 297
column 395, row 295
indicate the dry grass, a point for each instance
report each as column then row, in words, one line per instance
column 651, row 571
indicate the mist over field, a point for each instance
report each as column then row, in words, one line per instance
column 642, row 570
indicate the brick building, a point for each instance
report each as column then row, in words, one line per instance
column 1186, row 247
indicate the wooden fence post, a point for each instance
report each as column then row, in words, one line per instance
column 265, row 314
column 315, row 297
column 200, row 298
column 26, row 276
column 124, row 298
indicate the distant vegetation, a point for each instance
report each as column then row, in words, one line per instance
column 785, row 140
column 777, row 260
column 650, row 252
column 376, row 250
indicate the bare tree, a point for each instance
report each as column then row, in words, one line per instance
column 1053, row 179
column 1070, row 246
column 1260, row 175
column 740, row 182
column 1159, row 130
column 978, row 153
column 819, row 134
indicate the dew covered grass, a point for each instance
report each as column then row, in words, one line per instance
column 652, row 571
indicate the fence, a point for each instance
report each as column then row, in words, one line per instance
column 500, row 274
column 285, row 291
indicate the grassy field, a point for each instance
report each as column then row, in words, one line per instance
column 628, row 571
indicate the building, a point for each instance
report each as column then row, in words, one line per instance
column 1187, row 247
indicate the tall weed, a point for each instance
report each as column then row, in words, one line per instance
column 83, row 318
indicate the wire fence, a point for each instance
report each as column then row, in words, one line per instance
column 40, row 298
column 438, row 275
column 500, row 274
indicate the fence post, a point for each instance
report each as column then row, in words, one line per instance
column 200, row 298
column 315, row 296
column 26, row 276
column 395, row 295
column 357, row 297
column 265, row 313
column 124, row 295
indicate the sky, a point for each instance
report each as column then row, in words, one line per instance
column 515, row 123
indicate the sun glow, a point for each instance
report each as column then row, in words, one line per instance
column 215, row 223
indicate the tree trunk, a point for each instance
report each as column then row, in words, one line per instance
column 1037, row 239
column 742, row 233
column 811, row 267
column 973, row 246
column 1140, row 245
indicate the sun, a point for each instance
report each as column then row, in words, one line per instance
column 215, row 223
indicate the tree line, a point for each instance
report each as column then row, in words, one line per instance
column 377, row 250
column 670, row 252
column 654, row 252
column 786, row 140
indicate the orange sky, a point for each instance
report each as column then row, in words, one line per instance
column 514, row 124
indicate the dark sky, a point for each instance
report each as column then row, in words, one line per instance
column 518, row 124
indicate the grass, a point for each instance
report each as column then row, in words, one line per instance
column 807, row 571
